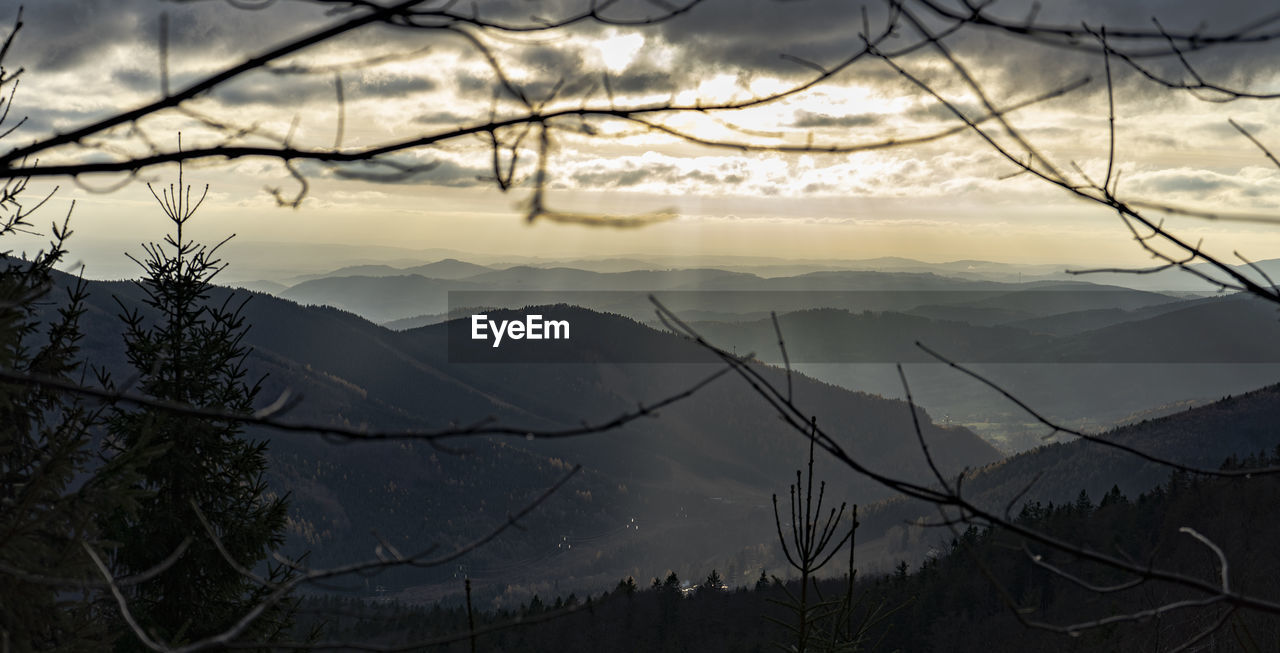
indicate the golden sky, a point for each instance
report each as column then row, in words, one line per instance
column 945, row 200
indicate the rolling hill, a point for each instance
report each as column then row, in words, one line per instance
column 1203, row 437
column 690, row 484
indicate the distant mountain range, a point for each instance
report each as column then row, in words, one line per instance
column 691, row 484
column 449, row 268
column 1157, row 356
column 1015, row 327
column 1234, row 329
column 385, row 294
column 271, row 262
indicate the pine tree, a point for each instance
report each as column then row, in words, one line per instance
column 52, row 485
column 713, row 582
column 627, row 585
column 672, row 583
column 209, row 482
column 762, row 583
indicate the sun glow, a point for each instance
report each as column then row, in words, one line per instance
column 619, row 50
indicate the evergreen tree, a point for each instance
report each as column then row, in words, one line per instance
column 209, row 481
column 901, row 570
column 627, row 585
column 672, row 583
column 52, row 487
column 713, row 581
column 1083, row 505
column 762, row 583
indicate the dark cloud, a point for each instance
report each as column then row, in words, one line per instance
column 654, row 173
column 1196, row 182
column 738, row 37
column 938, row 112
column 444, row 118
column 41, row 121
column 619, row 178
column 643, row 80
column 442, row 172
column 136, row 80
column 811, row 120
column 1222, row 128
column 556, row 61
column 295, row 90
column 62, row 35
column 274, row 90
column 1189, row 184
column 470, row 83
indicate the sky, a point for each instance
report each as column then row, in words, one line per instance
column 948, row 199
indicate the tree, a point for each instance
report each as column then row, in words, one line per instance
column 207, row 486
column 53, row 482
column 713, row 582
column 627, row 586
column 762, row 583
column 810, row 550
column 672, row 584
column 52, row 486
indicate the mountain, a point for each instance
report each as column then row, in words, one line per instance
column 261, row 285
column 692, row 483
column 974, row 593
column 449, row 268
column 415, row 321
column 380, row 299
column 1235, row 329
column 1175, row 280
column 397, row 297
column 1185, row 351
column 382, row 296
column 367, row 270
column 1073, row 322
column 1203, row 436
column 840, row 336
column 562, row 278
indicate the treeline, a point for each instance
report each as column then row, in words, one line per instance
column 968, row 597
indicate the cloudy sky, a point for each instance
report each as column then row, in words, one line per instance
column 944, row 200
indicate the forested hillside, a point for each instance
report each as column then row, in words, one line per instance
column 978, row 593
column 688, row 486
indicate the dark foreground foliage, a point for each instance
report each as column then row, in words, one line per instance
column 960, row 600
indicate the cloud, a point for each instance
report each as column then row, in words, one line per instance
column 1251, row 187
column 931, row 111
column 438, row 172
column 107, row 52
column 809, row 119
column 46, row 119
column 61, row 35
column 447, row 118
column 299, row 90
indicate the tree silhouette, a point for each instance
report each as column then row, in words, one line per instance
column 713, row 582
column 810, row 550
column 52, row 486
column 208, row 484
